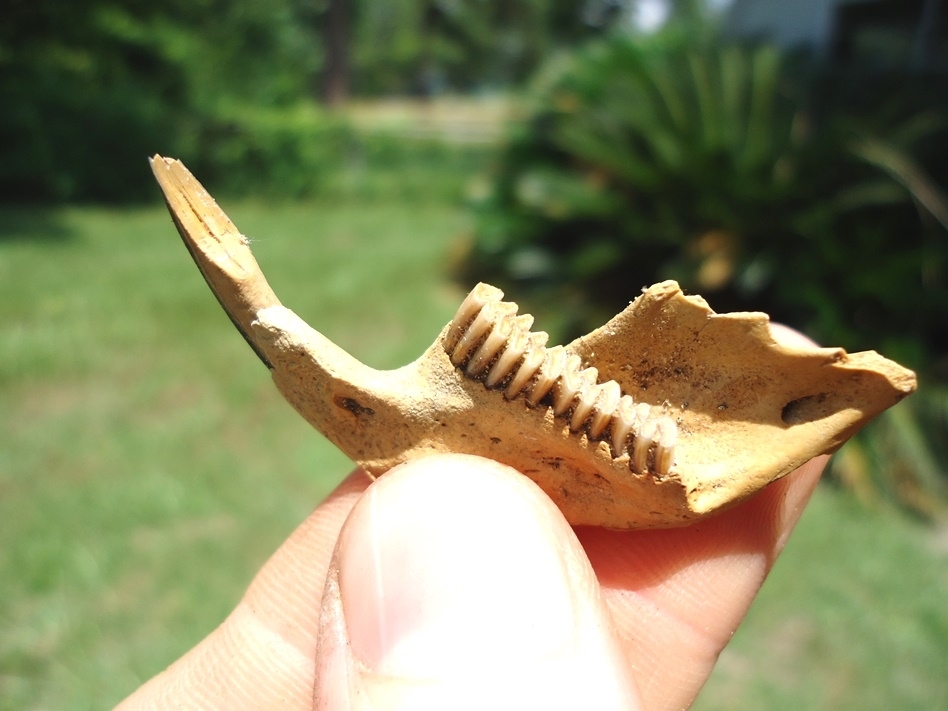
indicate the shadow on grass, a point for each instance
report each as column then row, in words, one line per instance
column 33, row 223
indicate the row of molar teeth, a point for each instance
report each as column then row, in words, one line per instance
column 488, row 339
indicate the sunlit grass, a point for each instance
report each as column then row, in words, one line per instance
column 854, row 616
column 148, row 466
column 147, row 463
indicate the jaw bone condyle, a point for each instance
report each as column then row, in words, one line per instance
column 664, row 415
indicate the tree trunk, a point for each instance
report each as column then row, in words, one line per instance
column 336, row 88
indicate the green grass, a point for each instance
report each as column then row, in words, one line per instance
column 148, row 466
column 853, row 616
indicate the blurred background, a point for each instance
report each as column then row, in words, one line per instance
column 787, row 157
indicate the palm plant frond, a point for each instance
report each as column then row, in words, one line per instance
column 907, row 173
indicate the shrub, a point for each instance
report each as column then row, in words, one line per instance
column 90, row 89
column 288, row 152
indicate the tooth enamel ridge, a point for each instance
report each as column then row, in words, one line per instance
column 488, row 341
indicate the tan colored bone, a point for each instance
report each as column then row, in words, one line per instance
column 668, row 413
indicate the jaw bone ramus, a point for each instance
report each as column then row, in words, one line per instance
column 667, row 413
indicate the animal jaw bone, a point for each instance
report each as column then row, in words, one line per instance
column 667, row 413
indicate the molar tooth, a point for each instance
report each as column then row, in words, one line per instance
column 517, row 345
column 665, row 445
column 642, row 412
column 622, row 423
column 473, row 303
column 477, row 328
column 524, row 322
column 532, row 361
column 539, row 339
column 550, row 371
column 495, row 340
column 568, row 385
column 586, row 398
column 482, row 323
column 642, row 444
column 605, row 406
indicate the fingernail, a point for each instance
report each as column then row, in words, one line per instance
column 451, row 566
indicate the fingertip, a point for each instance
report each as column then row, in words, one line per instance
column 437, row 541
column 787, row 336
column 787, row 499
column 454, row 569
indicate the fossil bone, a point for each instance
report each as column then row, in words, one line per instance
column 667, row 413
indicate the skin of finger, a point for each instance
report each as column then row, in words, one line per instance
column 262, row 655
column 678, row 595
column 544, row 642
column 675, row 597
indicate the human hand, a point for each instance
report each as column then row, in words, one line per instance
column 454, row 582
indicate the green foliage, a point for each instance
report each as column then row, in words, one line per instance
column 92, row 88
column 288, row 152
column 848, row 619
column 718, row 166
column 429, row 46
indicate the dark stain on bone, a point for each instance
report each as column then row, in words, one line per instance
column 354, row 406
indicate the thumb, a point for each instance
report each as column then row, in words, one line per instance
column 456, row 583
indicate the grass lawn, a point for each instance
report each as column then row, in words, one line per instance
column 148, row 466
